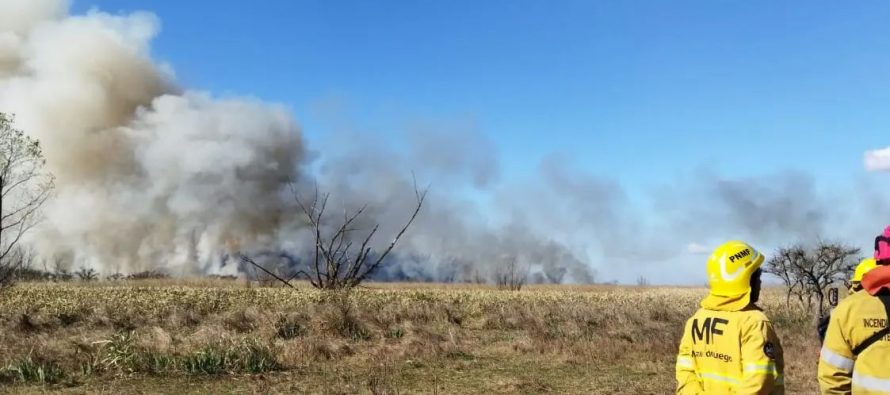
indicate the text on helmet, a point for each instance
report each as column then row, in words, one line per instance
column 740, row 255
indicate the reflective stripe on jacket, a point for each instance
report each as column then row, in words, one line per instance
column 854, row 320
column 729, row 352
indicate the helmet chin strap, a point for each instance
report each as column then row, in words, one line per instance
column 755, row 286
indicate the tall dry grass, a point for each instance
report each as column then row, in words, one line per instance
column 378, row 339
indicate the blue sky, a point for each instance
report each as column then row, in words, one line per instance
column 641, row 92
column 608, row 83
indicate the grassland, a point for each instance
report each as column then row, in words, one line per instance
column 229, row 337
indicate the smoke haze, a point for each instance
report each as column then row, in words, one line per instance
column 152, row 175
column 142, row 166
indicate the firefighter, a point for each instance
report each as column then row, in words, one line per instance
column 856, row 351
column 855, row 286
column 729, row 346
column 864, row 267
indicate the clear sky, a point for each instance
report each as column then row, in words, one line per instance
column 610, row 82
column 640, row 91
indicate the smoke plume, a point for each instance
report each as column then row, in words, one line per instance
column 145, row 171
column 152, row 175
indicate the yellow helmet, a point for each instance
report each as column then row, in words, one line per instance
column 730, row 268
column 862, row 268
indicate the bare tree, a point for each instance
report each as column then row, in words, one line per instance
column 17, row 266
column 342, row 259
column 87, row 274
column 24, row 188
column 510, row 275
column 809, row 273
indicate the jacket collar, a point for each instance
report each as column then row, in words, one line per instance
column 726, row 303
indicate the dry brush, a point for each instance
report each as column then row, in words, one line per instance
column 375, row 339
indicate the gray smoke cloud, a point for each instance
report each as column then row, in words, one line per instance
column 147, row 174
column 766, row 207
column 771, row 211
column 152, row 175
column 456, row 237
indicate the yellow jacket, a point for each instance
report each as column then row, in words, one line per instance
column 730, row 352
column 855, row 319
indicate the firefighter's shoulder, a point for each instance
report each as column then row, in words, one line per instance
column 754, row 315
column 700, row 314
column 695, row 315
column 857, row 303
column 701, row 311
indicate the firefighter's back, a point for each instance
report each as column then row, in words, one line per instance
column 716, row 348
column 717, row 343
column 858, row 317
column 728, row 346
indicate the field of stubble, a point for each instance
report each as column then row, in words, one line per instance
column 227, row 337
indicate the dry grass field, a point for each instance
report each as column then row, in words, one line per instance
column 219, row 337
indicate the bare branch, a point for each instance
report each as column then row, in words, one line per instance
column 421, row 197
column 24, row 189
column 342, row 259
column 258, row 266
column 305, row 274
column 808, row 273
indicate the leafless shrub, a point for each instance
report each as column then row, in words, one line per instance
column 87, row 274
column 267, row 277
column 115, row 277
column 809, row 273
column 510, row 276
column 61, row 274
column 341, row 259
column 148, row 275
column 28, row 274
column 19, row 267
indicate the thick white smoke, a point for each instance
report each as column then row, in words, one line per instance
column 147, row 174
column 151, row 175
